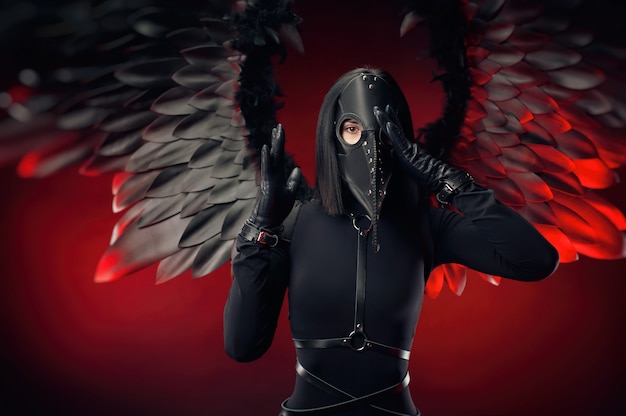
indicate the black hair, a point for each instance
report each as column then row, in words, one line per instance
column 328, row 183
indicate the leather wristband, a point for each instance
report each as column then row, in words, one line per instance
column 451, row 185
column 263, row 236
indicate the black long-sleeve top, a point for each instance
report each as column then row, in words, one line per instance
column 319, row 270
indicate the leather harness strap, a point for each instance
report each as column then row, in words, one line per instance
column 352, row 342
column 347, row 399
column 357, row 340
column 358, row 335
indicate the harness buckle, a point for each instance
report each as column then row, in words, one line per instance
column 357, row 340
column 362, row 223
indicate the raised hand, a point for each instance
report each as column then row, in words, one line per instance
column 276, row 194
column 440, row 177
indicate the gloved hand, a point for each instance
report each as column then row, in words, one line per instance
column 276, row 194
column 440, row 177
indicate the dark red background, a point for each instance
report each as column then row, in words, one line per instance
column 132, row 347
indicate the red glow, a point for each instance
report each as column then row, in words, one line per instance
column 567, row 252
column 106, row 265
column 28, row 165
column 434, row 285
column 594, row 174
column 20, row 93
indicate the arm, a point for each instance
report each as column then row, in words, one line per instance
column 491, row 238
column 260, row 267
column 260, row 276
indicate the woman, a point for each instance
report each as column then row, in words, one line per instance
column 356, row 257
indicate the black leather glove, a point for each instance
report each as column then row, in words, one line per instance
column 423, row 168
column 276, row 194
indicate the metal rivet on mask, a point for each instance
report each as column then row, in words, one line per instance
column 371, row 86
column 364, row 77
column 364, row 143
column 375, row 78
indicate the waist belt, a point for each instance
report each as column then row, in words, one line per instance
column 356, row 341
column 347, row 399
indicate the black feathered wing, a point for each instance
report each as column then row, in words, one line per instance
column 158, row 103
column 536, row 111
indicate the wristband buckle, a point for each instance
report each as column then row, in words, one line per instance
column 267, row 239
column 250, row 232
column 451, row 186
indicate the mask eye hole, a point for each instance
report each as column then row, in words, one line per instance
column 351, row 131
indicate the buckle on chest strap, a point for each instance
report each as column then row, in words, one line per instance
column 362, row 223
column 357, row 340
